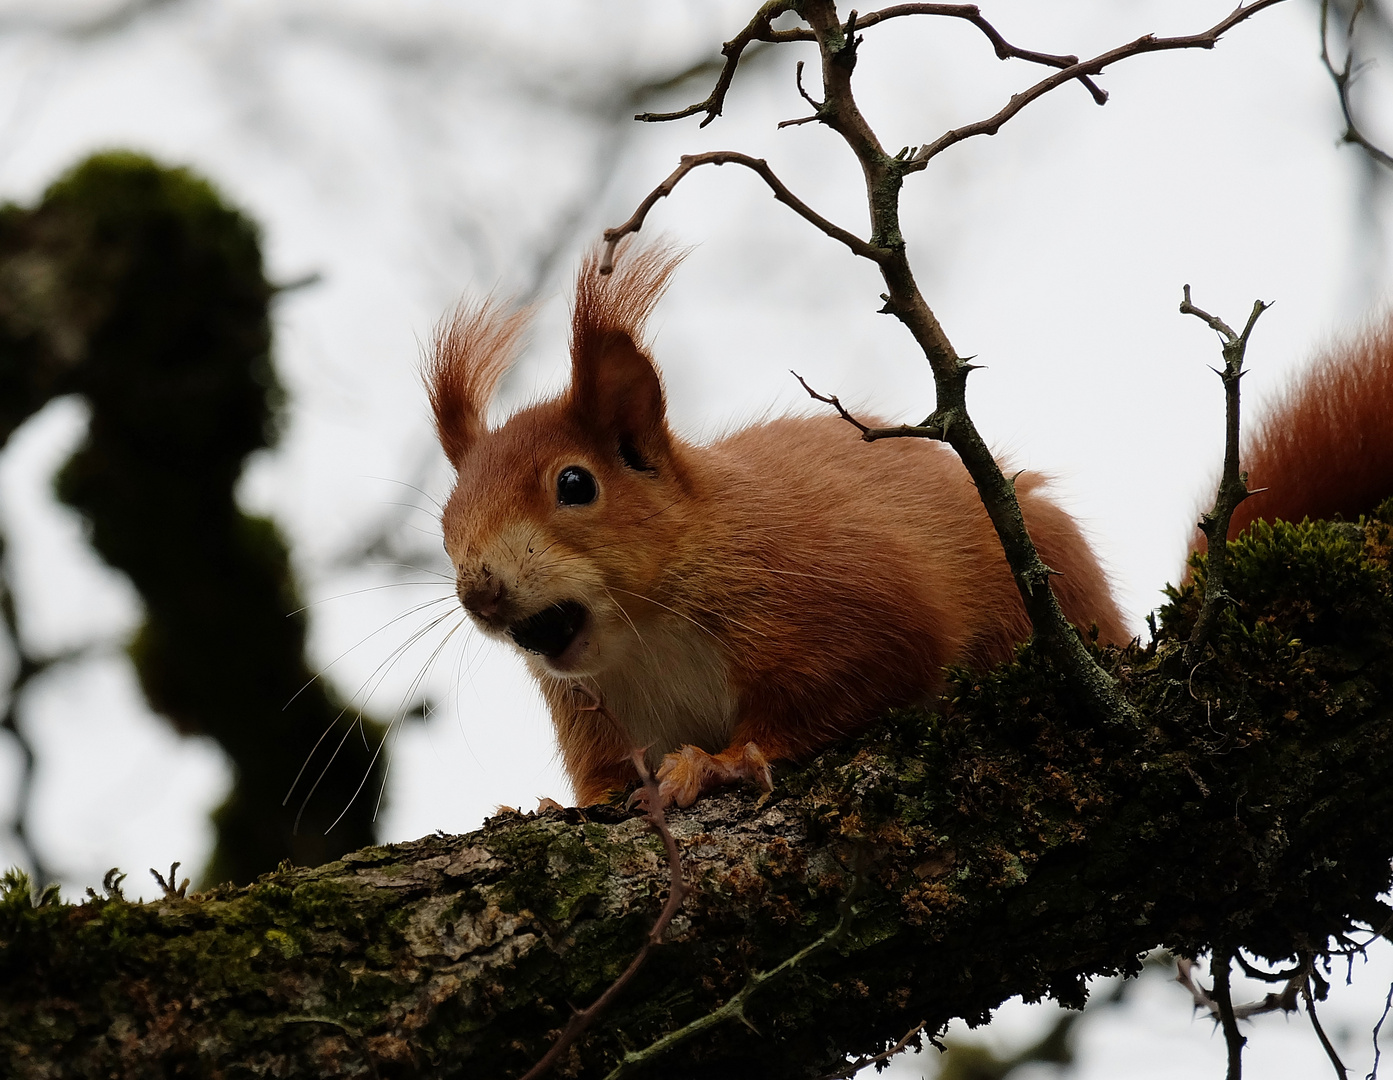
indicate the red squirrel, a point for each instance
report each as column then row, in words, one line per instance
column 734, row 603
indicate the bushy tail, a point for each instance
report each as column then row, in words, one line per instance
column 1326, row 447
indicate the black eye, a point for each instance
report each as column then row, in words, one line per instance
column 575, row 486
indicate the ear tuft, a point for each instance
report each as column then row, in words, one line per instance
column 614, row 386
column 472, row 350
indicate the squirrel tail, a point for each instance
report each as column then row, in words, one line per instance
column 1326, row 447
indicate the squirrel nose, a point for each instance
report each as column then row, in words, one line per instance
column 483, row 597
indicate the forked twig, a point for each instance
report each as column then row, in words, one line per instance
column 678, row 889
column 1233, row 484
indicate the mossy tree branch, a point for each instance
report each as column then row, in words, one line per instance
column 1006, row 845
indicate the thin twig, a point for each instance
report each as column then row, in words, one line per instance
column 759, row 29
column 1344, row 78
column 870, row 434
column 1233, row 486
column 854, row 1067
column 1147, row 44
column 734, row 1007
column 1387, row 1008
column 1308, row 968
column 1223, row 998
column 677, row 892
column 688, row 162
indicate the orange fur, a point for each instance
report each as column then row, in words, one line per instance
column 1326, row 448
column 745, row 601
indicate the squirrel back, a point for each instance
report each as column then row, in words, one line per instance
column 727, row 604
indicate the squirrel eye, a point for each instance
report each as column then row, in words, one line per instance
column 575, row 486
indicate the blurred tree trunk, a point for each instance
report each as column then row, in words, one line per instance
column 136, row 287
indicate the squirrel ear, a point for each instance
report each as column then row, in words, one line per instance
column 616, row 392
column 473, row 349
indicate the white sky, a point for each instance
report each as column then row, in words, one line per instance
column 415, row 151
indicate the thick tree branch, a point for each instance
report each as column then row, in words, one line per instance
column 1006, row 846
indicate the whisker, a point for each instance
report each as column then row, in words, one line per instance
column 378, row 674
column 391, row 622
column 424, row 494
column 370, row 588
column 410, row 693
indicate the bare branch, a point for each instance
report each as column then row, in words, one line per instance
column 759, row 29
column 757, row 165
column 1233, row 484
column 1343, row 78
column 1004, row 49
column 1148, row 44
column 870, row 434
column 677, row 893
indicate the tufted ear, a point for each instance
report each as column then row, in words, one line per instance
column 472, row 350
column 616, row 393
column 615, row 389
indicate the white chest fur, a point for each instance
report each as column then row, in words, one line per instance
column 671, row 686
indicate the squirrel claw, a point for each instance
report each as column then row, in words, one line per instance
column 690, row 772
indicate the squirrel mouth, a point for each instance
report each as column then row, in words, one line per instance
column 550, row 631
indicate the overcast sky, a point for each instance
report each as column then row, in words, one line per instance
column 414, row 152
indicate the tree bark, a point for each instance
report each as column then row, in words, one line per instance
column 1004, row 845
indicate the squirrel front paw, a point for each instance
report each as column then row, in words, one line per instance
column 690, row 772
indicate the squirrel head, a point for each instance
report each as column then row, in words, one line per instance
column 563, row 518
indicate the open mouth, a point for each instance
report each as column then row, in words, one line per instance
column 550, row 631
